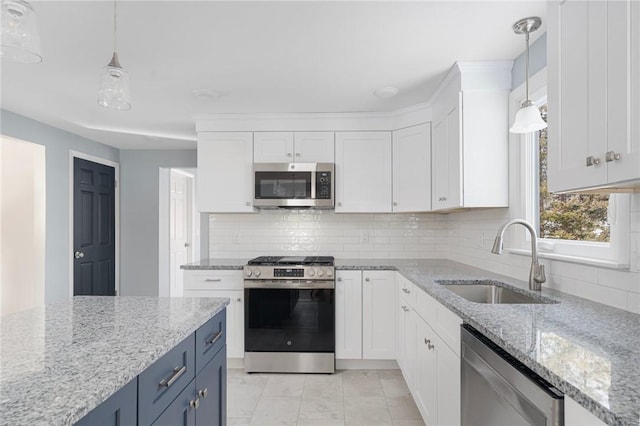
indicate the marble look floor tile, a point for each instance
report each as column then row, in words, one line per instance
column 394, row 387
column 276, row 411
column 390, row 374
column 317, row 409
column 368, row 411
column 320, row 386
column 362, row 385
column 284, row 385
column 403, row 408
column 242, row 399
column 408, row 423
column 238, row 421
column 320, row 423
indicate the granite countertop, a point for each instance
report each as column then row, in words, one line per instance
column 60, row 361
column 590, row 351
column 216, row 264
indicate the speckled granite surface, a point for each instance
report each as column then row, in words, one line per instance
column 216, row 264
column 60, row 361
column 589, row 351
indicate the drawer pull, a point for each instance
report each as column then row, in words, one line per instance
column 177, row 372
column 194, row 403
column 213, row 280
column 211, row 340
column 203, row 393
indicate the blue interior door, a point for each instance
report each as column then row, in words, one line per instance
column 94, row 268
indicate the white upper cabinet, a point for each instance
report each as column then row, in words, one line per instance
column 225, row 172
column 594, row 94
column 314, row 147
column 412, row 169
column 290, row 147
column 363, row 172
column 470, row 134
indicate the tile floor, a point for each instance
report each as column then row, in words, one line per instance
column 348, row 397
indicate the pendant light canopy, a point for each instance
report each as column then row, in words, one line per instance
column 528, row 118
column 20, row 39
column 114, row 91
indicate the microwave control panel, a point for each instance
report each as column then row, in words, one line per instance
column 323, row 185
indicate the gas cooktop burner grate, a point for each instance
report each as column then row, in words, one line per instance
column 293, row 260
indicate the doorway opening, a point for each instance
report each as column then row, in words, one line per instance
column 179, row 228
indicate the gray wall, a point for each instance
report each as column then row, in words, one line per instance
column 537, row 60
column 57, row 144
column 139, row 197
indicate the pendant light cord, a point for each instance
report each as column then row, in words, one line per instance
column 526, row 77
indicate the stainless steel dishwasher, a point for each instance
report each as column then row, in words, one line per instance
column 498, row 390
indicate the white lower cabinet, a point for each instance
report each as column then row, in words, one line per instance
column 348, row 315
column 429, row 354
column 365, row 315
column 576, row 415
column 199, row 283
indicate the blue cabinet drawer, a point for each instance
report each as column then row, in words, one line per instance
column 164, row 380
column 182, row 411
column 210, row 338
column 118, row 409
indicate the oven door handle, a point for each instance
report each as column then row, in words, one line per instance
column 302, row 284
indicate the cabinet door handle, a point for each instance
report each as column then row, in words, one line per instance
column 592, row 161
column 211, row 340
column 340, row 279
column 298, row 155
column 395, row 204
column 339, row 204
column 612, row 156
column 367, row 279
column 404, row 308
column 288, row 154
column 430, row 346
column 406, row 291
column 239, row 299
column 248, row 203
column 175, row 375
column 203, row 393
column 213, row 280
column 427, row 341
column 194, row 403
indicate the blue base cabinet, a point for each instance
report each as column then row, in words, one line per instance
column 185, row 387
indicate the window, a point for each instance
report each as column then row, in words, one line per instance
column 585, row 228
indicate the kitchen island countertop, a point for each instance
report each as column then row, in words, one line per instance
column 60, row 361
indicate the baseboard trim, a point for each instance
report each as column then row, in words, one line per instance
column 366, row 364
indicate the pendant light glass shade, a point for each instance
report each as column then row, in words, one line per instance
column 20, row 39
column 528, row 119
column 114, row 86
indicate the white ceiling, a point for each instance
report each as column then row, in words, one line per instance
column 324, row 56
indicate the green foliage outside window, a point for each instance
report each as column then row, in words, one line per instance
column 570, row 216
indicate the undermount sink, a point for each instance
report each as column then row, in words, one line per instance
column 491, row 292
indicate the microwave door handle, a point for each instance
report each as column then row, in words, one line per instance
column 313, row 185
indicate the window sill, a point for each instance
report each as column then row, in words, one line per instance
column 573, row 259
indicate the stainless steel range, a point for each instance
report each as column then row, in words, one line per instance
column 290, row 314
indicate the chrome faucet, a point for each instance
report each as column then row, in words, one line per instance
column 536, row 274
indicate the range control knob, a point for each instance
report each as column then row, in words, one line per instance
column 257, row 272
column 248, row 272
column 329, row 272
column 311, row 272
column 320, row 272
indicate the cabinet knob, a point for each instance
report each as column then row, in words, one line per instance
column 430, row 346
column 367, row 279
column 78, row 254
column 288, row 154
column 592, row 161
column 612, row 156
column 406, row 291
column 194, row 403
column 248, row 203
column 339, row 204
column 395, row 204
column 239, row 299
column 203, row 393
column 298, row 155
column 339, row 279
column 427, row 341
column 404, row 308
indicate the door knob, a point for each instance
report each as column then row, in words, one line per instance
column 78, row 254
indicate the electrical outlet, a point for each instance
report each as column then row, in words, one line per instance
column 364, row 237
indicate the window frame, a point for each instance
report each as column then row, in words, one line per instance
column 525, row 193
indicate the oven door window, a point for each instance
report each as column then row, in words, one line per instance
column 283, row 185
column 289, row 320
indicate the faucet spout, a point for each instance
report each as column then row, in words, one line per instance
column 536, row 273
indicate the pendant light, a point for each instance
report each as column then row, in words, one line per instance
column 20, row 39
column 114, row 80
column 528, row 118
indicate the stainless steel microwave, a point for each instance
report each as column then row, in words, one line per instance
column 294, row 185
